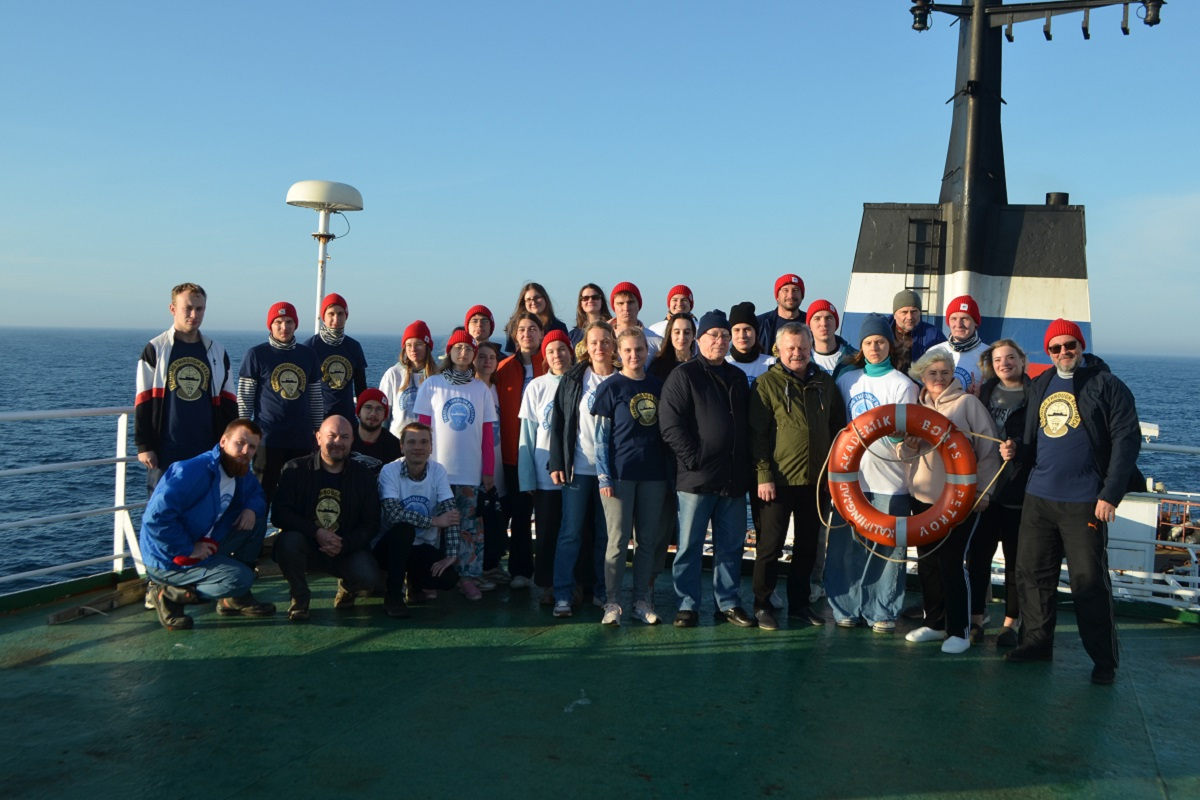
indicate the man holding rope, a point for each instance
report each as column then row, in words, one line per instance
column 1082, row 447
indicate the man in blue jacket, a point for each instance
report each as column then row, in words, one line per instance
column 913, row 335
column 203, row 528
column 1082, row 447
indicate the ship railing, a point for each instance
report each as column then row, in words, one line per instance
column 124, row 537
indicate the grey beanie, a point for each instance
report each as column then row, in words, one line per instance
column 875, row 325
column 712, row 319
column 906, row 299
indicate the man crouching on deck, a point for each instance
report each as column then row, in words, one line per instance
column 203, row 529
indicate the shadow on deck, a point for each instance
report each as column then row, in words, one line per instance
column 498, row 698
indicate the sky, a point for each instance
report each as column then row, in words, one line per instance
column 717, row 144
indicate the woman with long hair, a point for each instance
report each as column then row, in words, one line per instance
column 679, row 345
column 1006, row 395
column 400, row 383
column 591, row 306
column 533, row 299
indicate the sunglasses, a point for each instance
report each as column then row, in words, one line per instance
column 590, row 298
column 1055, row 349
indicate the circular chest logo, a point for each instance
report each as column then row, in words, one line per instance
column 644, row 408
column 965, row 378
column 188, row 378
column 329, row 509
column 336, row 372
column 862, row 403
column 547, row 412
column 419, row 504
column 458, row 413
column 288, row 381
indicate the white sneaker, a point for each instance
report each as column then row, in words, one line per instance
column 883, row 626
column 644, row 612
column 484, row 584
column 815, row 592
column 519, row 582
column 612, row 615
column 562, row 608
column 924, row 634
column 956, row 644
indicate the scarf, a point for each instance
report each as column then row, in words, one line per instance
column 332, row 336
column 965, row 344
column 456, row 378
column 281, row 345
column 743, row 358
column 878, row 370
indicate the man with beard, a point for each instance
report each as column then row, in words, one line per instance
column 203, row 529
column 327, row 512
column 913, row 335
column 373, row 440
column 1081, row 448
column 343, row 365
column 789, row 294
column 185, row 393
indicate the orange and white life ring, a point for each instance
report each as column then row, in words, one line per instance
column 958, row 457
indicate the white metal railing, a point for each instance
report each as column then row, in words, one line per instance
column 125, row 544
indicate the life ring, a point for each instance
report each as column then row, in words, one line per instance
column 958, row 458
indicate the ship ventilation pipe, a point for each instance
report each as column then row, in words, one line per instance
column 1058, row 199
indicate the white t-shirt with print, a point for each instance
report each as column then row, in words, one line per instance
column 457, row 413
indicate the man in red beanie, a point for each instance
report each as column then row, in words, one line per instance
column 789, row 294
column 372, row 439
column 277, row 388
column 626, row 303
column 185, row 394
column 679, row 301
column 343, row 364
column 964, row 346
column 1081, row 449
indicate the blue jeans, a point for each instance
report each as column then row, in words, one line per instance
column 229, row 572
column 728, row 517
column 859, row 585
column 580, row 503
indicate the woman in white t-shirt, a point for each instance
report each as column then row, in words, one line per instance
column 572, row 465
column 862, row 584
column 401, row 382
column 533, row 457
column 460, row 411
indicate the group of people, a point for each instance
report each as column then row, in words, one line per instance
column 615, row 432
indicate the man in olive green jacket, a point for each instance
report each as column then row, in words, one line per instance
column 796, row 411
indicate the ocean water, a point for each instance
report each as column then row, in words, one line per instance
column 60, row 369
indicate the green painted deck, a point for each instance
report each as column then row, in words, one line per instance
column 499, row 699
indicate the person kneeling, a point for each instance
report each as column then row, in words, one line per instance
column 203, row 529
column 327, row 512
column 417, row 505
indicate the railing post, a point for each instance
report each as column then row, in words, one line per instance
column 119, row 498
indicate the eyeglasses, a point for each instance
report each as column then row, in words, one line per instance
column 590, row 298
column 1070, row 346
column 724, row 336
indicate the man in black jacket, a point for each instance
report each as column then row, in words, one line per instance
column 704, row 416
column 1081, row 447
column 327, row 512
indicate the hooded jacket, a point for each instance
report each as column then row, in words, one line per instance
column 927, row 475
column 793, row 423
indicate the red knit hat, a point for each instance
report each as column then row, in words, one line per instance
column 334, row 299
column 459, row 337
column 417, row 330
column 556, row 336
column 966, row 304
column 1063, row 327
column 625, row 287
column 823, row 305
column 484, row 310
column 282, row 309
column 784, row 280
column 683, row 290
column 371, row 394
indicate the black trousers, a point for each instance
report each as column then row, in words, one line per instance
column 400, row 558
column 295, row 553
column 491, row 513
column 997, row 525
column 547, row 505
column 1050, row 531
column 520, row 512
column 798, row 505
column 942, row 571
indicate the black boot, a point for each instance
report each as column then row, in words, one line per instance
column 169, row 602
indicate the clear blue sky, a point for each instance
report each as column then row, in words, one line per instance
column 717, row 144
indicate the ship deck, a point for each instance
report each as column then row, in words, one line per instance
column 498, row 698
